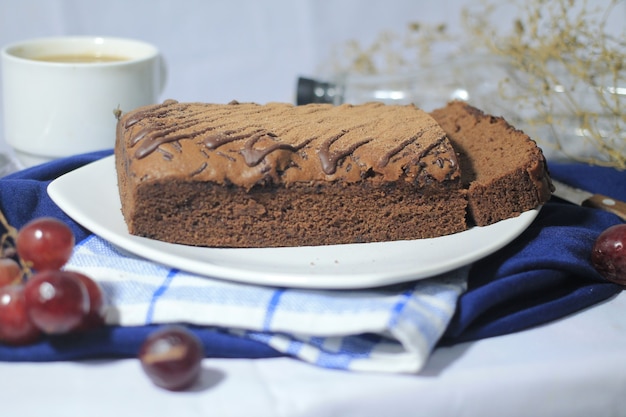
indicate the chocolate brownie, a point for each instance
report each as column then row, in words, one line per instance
column 251, row 175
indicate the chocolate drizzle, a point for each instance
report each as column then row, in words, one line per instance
column 330, row 159
column 384, row 160
column 218, row 139
column 200, row 169
column 150, row 144
column 254, row 156
column 152, row 137
column 152, row 112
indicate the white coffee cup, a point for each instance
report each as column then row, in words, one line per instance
column 62, row 94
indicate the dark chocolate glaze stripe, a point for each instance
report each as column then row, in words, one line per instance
column 329, row 159
column 384, row 160
column 222, row 138
column 160, row 110
column 254, row 156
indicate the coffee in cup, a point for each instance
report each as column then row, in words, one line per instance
column 81, row 58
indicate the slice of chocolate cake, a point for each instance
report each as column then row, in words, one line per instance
column 503, row 170
column 249, row 175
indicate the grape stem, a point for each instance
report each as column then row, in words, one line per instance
column 7, row 245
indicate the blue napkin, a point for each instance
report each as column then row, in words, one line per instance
column 543, row 275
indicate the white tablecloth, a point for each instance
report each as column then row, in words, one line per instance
column 575, row 367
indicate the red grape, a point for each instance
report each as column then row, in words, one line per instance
column 95, row 317
column 172, row 357
column 45, row 243
column 608, row 255
column 16, row 328
column 56, row 301
column 10, row 272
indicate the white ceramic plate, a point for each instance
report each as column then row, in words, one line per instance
column 89, row 195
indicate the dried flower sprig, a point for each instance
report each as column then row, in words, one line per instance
column 566, row 75
column 392, row 52
column 8, row 249
column 8, row 234
column 568, row 72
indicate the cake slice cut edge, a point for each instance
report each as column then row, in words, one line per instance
column 504, row 171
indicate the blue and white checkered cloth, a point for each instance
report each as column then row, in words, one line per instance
column 390, row 329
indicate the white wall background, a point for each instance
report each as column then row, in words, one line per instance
column 219, row 50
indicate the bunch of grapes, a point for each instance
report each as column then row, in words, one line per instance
column 37, row 297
